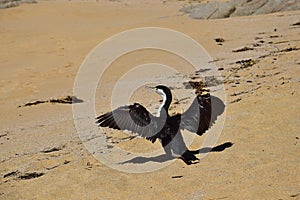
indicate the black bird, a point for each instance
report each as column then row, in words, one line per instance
column 197, row 118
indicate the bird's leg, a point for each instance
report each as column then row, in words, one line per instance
column 179, row 150
column 166, row 146
column 178, row 146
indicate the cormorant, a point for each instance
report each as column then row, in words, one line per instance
column 166, row 128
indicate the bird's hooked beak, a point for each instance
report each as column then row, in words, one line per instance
column 150, row 88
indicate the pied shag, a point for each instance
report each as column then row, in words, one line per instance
column 166, row 128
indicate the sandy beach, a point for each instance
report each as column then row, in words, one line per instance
column 42, row 48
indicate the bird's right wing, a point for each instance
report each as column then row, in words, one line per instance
column 134, row 118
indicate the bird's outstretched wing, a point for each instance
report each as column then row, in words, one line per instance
column 202, row 113
column 134, row 118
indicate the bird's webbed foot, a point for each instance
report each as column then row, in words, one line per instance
column 189, row 158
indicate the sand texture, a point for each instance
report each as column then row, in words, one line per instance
column 42, row 47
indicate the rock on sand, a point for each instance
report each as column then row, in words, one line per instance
column 215, row 9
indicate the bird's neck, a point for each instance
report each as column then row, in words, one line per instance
column 164, row 107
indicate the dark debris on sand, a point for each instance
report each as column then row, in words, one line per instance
column 26, row 175
column 52, row 149
column 199, row 86
column 30, row 175
column 296, row 24
column 243, row 49
column 246, row 63
column 219, row 41
column 64, row 100
column 11, row 174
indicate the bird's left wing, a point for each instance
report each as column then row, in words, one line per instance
column 134, row 118
column 197, row 117
column 202, row 113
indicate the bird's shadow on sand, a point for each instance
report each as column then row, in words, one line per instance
column 165, row 157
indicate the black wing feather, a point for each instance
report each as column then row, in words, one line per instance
column 134, row 118
column 201, row 114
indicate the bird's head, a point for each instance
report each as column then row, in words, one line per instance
column 161, row 90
